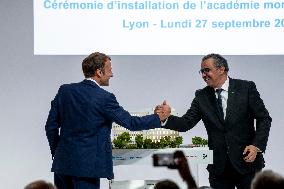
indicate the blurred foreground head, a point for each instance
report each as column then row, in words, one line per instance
column 267, row 179
column 166, row 184
column 40, row 184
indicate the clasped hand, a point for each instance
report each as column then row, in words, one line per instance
column 163, row 110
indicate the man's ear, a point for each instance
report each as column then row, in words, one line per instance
column 222, row 69
column 99, row 73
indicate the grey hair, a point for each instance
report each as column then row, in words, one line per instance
column 219, row 61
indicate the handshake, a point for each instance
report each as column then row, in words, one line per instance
column 163, row 110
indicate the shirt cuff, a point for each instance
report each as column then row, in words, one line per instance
column 163, row 123
column 258, row 150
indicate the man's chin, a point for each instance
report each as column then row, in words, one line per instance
column 105, row 84
column 209, row 84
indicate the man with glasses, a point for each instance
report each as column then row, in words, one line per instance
column 228, row 108
column 79, row 125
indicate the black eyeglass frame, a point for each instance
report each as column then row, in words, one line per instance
column 206, row 70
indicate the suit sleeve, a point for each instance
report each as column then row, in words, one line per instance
column 116, row 113
column 52, row 125
column 188, row 120
column 261, row 115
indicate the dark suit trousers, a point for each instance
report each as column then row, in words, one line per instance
column 231, row 178
column 70, row 182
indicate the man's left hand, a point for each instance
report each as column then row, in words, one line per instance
column 251, row 152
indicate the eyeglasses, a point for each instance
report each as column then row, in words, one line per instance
column 204, row 70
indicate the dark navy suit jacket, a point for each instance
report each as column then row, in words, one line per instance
column 229, row 137
column 79, row 125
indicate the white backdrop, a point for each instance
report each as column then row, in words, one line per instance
column 175, row 28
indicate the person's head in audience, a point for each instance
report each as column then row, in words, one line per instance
column 40, row 184
column 166, row 184
column 267, row 180
column 181, row 165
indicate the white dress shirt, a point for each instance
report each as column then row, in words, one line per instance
column 224, row 95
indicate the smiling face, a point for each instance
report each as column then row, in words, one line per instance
column 214, row 76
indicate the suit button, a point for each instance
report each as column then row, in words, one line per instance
column 228, row 149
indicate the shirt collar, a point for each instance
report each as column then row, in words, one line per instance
column 90, row 79
column 225, row 86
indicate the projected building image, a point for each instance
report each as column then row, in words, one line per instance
column 154, row 134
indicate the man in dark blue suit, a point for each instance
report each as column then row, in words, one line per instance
column 236, row 121
column 79, row 125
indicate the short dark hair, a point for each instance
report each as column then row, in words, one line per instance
column 93, row 62
column 219, row 61
column 166, row 184
column 267, row 179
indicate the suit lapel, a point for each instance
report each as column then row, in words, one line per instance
column 213, row 103
column 232, row 98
